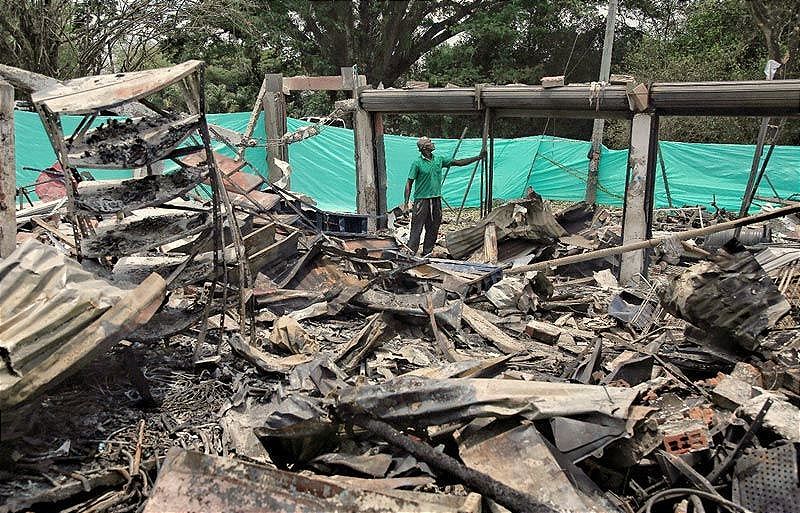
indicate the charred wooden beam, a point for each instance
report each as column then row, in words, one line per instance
column 130, row 143
column 146, row 230
column 8, row 170
column 112, row 196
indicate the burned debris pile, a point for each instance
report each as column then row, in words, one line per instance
column 369, row 379
column 242, row 350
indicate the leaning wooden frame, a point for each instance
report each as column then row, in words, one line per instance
column 141, row 143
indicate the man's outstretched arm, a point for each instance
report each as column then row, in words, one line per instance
column 470, row 160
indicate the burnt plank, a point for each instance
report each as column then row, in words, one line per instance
column 279, row 251
column 111, row 196
column 146, row 230
column 130, row 143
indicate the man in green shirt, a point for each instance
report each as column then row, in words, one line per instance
column 426, row 178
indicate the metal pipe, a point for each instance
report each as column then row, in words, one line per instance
column 651, row 243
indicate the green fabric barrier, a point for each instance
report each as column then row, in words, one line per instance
column 323, row 166
column 33, row 148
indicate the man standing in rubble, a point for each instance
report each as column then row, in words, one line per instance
column 426, row 178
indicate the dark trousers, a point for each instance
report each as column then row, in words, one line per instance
column 427, row 213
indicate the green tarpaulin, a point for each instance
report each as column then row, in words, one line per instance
column 323, row 166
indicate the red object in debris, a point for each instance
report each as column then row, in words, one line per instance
column 704, row 414
column 687, row 441
column 50, row 184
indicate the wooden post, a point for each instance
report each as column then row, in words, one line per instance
column 599, row 124
column 367, row 186
column 479, row 163
column 379, row 155
column 490, row 243
column 274, row 105
column 55, row 132
column 637, row 217
column 664, row 175
column 251, row 123
column 490, row 168
column 8, row 172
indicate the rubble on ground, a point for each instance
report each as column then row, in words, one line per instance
column 607, row 398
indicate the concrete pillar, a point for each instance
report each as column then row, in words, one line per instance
column 637, row 217
column 8, row 172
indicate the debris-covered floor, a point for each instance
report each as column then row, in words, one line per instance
column 382, row 382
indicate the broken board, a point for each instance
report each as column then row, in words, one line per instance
column 130, row 143
column 147, row 229
column 112, row 196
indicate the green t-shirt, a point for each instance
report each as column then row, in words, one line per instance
column 427, row 176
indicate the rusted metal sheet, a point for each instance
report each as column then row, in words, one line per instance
column 522, row 219
column 130, row 143
column 412, row 400
column 90, row 94
column 111, row 196
column 190, row 481
column 55, row 317
column 263, row 200
column 731, row 298
column 225, row 164
column 374, row 247
column 535, row 471
column 242, row 182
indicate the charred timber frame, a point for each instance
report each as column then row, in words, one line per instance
column 8, row 170
column 370, row 157
column 643, row 106
column 274, row 105
column 88, row 96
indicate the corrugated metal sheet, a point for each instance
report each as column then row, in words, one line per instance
column 751, row 98
column 190, row 481
column 54, row 316
column 523, row 219
column 413, row 400
column 612, row 99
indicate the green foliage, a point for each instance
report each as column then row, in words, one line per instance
column 707, row 40
column 69, row 38
column 717, row 41
column 462, row 42
column 519, row 43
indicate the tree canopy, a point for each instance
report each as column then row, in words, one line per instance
column 462, row 42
